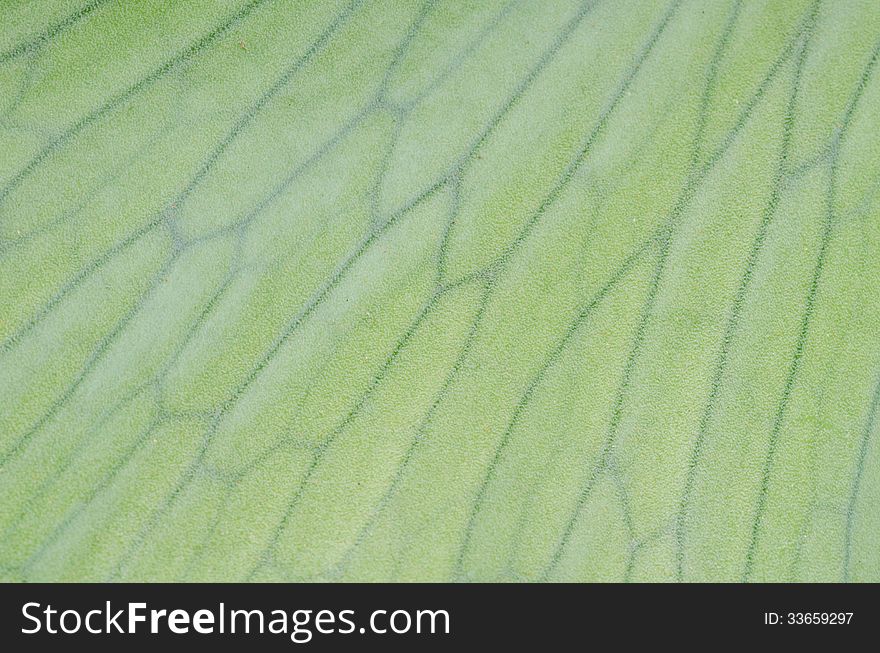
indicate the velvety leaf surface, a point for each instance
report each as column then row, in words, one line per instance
column 440, row 290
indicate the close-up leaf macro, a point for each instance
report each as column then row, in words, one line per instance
column 440, row 290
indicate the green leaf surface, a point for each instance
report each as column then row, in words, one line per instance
column 440, row 290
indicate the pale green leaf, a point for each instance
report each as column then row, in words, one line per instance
column 440, row 290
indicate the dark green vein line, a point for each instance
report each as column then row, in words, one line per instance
column 519, row 409
column 399, row 53
column 32, row 322
column 6, row 245
column 548, row 55
column 93, row 360
column 295, row 174
column 588, row 229
column 628, row 524
column 857, row 480
column 418, row 437
column 369, row 240
column 402, row 112
column 514, row 98
column 454, row 207
column 462, row 56
column 552, row 196
column 546, row 58
column 317, row 450
column 647, row 311
column 809, row 308
column 695, row 178
column 575, row 164
column 196, row 326
column 456, row 172
column 711, row 81
column 201, row 173
column 375, row 191
column 720, row 149
column 312, row 304
column 25, row 507
column 402, row 48
column 352, row 414
column 605, row 457
column 736, row 308
column 280, row 83
column 24, row 88
column 120, row 98
column 51, row 32
column 360, row 249
column 790, row 380
column 316, row 299
column 862, row 84
column 155, row 381
column 105, row 482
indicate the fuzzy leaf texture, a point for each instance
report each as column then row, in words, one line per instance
column 440, row 290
